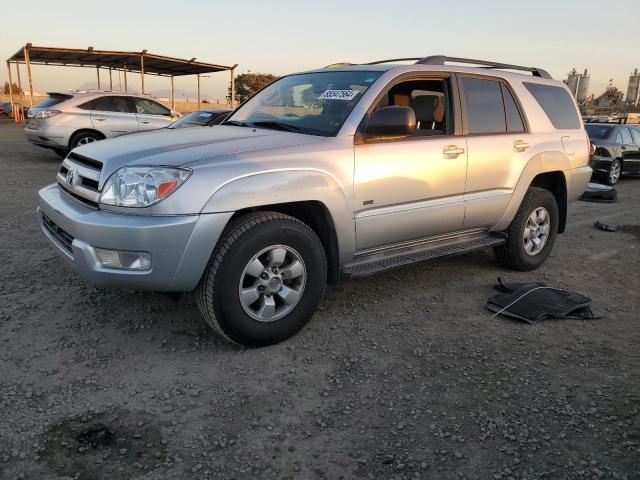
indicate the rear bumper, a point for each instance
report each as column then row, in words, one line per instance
column 577, row 179
column 180, row 246
column 48, row 136
column 600, row 164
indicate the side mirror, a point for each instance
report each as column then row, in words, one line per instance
column 391, row 122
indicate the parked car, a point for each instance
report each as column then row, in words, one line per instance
column 202, row 118
column 333, row 173
column 62, row 121
column 5, row 109
column 617, row 149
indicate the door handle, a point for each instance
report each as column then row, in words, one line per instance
column 99, row 119
column 452, row 151
column 520, row 145
column 144, row 121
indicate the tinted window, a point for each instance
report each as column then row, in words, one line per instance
column 618, row 137
column 149, row 107
column 557, row 104
column 88, row 105
column 598, row 131
column 636, row 136
column 112, row 104
column 626, row 136
column 485, row 108
column 514, row 120
column 51, row 101
column 196, row 119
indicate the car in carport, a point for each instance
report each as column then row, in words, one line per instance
column 617, row 149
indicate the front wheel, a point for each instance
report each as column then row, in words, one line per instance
column 532, row 233
column 264, row 281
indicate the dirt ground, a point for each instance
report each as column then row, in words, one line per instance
column 399, row 376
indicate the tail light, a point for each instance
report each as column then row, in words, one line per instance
column 592, row 149
column 47, row 113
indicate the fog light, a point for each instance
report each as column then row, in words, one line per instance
column 123, row 260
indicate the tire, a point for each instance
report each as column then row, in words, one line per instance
column 514, row 253
column 262, row 237
column 614, row 172
column 83, row 138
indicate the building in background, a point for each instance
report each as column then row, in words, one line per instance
column 572, row 81
column 632, row 89
column 578, row 83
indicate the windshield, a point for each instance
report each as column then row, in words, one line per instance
column 194, row 119
column 311, row 103
column 598, row 131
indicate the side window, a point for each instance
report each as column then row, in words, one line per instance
column 429, row 100
column 149, row 107
column 636, row 136
column 514, row 119
column 90, row 105
column 626, row 136
column 112, row 104
column 557, row 104
column 485, row 107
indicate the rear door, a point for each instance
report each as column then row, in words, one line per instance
column 498, row 148
column 113, row 115
column 151, row 114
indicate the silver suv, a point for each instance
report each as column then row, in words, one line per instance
column 340, row 172
column 63, row 121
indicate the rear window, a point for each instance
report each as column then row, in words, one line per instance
column 557, row 104
column 52, row 100
column 598, row 131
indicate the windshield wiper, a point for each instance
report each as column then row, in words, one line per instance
column 276, row 125
column 236, row 123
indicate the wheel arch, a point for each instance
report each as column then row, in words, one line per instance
column 556, row 183
column 84, row 130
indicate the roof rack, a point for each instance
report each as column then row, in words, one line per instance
column 442, row 59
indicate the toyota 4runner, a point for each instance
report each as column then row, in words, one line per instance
column 340, row 172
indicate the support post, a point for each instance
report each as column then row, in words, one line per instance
column 98, row 73
column 11, row 90
column 28, row 63
column 110, row 80
column 173, row 94
column 233, row 86
column 142, row 72
column 198, row 77
column 20, row 84
column 124, row 68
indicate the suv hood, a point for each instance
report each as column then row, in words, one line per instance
column 178, row 147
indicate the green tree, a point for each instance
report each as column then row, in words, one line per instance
column 16, row 89
column 247, row 84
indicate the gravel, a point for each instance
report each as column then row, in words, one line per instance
column 399, row 376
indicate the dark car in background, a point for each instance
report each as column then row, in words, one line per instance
column 617, row 149
column 202, row 118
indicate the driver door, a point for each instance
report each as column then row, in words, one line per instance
column 412, row 188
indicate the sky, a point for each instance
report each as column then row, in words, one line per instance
column 283, row 36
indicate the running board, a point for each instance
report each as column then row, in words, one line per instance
column 379, row 262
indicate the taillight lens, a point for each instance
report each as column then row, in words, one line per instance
column 592, row 149
column 47, row 113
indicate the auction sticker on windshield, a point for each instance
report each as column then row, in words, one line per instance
column 338, row 95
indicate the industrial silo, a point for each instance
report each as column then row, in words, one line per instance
column 583, row 86
column 632, row 89
column 572, row 81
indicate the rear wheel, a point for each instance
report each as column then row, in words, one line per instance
column 614, row 172
column 265, row 279
column 84, row 138
column 532, row 233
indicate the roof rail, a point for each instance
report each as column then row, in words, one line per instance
column 441, row 59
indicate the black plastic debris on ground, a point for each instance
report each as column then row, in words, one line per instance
column 596, row 192
column 605, row 227
column 534, row 302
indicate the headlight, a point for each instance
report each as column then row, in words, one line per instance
column 141, row 186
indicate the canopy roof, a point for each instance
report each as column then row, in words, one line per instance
column 134, row 61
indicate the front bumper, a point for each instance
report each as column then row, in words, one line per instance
column 180, row 245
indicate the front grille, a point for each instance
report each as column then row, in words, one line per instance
column 79, row 176
column 63, row 237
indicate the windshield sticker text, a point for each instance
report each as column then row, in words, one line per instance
column 346, row 95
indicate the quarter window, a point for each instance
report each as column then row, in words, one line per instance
column 485, row 107
column 626, row 136
column 557, row 104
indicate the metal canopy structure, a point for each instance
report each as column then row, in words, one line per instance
column 142, row 63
